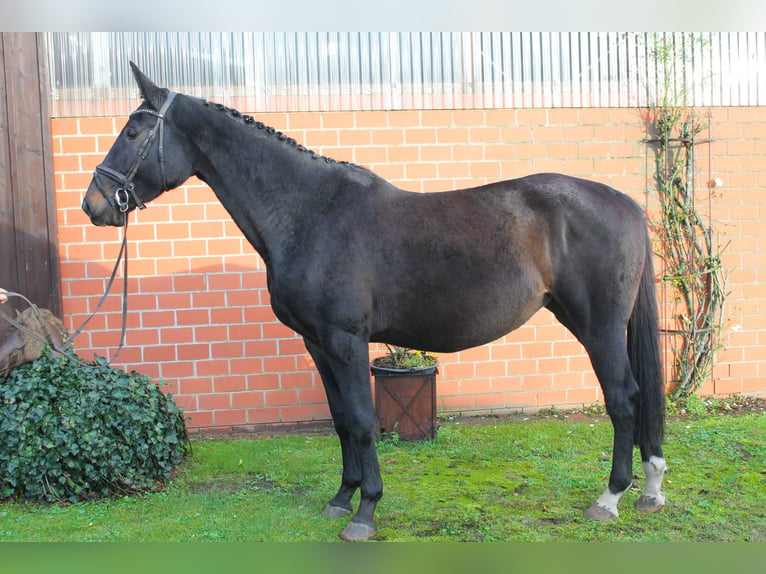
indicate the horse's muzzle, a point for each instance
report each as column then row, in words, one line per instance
column 86, row 208
column 100, row 212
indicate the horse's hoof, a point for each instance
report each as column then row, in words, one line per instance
column 331, row 511
column 596, row 512
column 650, row 503
column 356, row 532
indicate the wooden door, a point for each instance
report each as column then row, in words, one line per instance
column 29, row 262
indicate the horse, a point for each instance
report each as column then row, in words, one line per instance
column 352, row 259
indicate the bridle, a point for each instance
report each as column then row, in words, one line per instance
column 121, row 200
column 126, row 189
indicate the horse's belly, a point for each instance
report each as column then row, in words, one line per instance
column 450, row 326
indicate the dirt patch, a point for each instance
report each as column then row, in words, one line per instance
column 314, row 428
column 738, row 405
column 521, row 417
column 233, row 484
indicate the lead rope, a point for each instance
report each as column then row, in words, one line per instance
column 121, row 256
column 66, row 348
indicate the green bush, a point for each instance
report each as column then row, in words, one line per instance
column 71, row 430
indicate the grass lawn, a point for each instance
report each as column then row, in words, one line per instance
column 496, row 479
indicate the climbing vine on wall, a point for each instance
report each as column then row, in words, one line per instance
column 687, row 241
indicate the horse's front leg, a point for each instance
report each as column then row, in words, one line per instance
column 362, row 526
column 344, row 366
column 340, row 504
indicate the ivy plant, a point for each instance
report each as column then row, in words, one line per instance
column 73, row 430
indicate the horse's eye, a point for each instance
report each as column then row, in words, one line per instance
column 131, row 134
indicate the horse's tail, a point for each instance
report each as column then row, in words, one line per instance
column 645, row 360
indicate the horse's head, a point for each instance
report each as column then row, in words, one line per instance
column 147, row 158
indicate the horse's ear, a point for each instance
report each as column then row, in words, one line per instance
column 149, row 90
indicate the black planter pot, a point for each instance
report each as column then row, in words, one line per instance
column 405, row 402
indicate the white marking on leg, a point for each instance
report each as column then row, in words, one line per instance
column 655, row 469
column 608, row 500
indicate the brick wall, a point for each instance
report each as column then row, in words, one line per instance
column 200, row 316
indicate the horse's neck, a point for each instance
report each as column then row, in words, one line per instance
column 267, row 185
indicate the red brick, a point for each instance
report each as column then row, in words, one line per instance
column 728, row 387
column 279, row 364
column 296, row 380
column 404, row 118
column 277, row 331
column 296, row 413
column 200, row 420
column 302, row 121
column 312, row 396
column 226, row 350
column 468, row 117
column 387, row 137
column 581, row 396
column 263, row 415
column 280, row 397
column 215, row 401
column 556, row 398
column 417, row 135
column 458, row 370
column 157, row 318
column 249, row 399
column 169, row 300
column 233, row 417
column 524, row 399
column 196, row 386
column 212, row 368
column 98, row 126
column 506, row 384
column 262, row 381
column 192, row 317
column 246, row 366
column 457, row 403
column 355, row 137
column 332, row 120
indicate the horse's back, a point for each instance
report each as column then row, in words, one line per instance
column 516, row 219
column 551, row 192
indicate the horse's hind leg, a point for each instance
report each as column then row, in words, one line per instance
column 611, row 364
column 652, row 499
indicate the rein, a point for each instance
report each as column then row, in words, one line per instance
column 121, row 256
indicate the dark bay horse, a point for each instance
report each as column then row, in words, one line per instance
column 352, row 259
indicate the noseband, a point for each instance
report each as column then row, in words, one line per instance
column 127, row 189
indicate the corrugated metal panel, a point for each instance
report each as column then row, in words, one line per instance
column 301, row 71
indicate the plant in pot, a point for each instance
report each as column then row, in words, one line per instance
column 403, row 359
column 405, row 393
